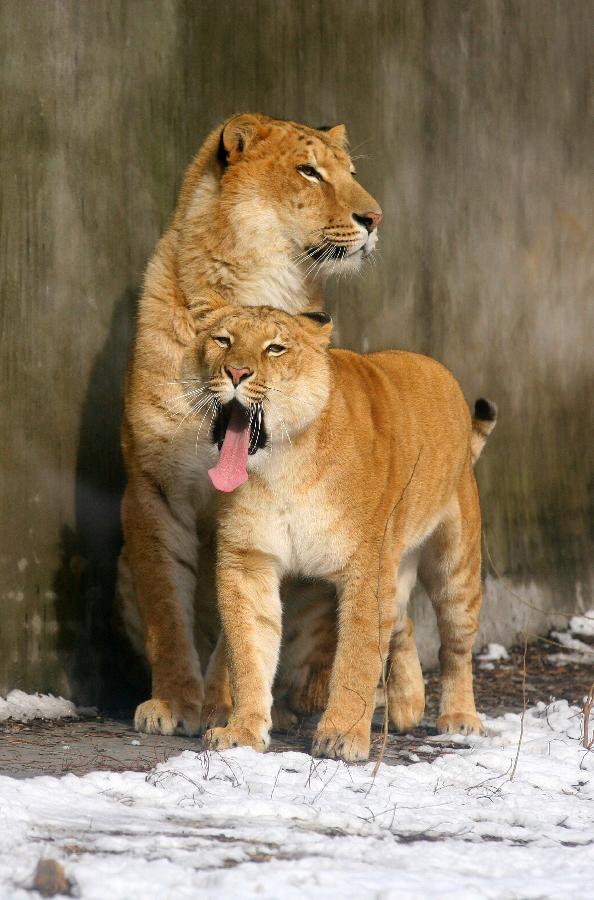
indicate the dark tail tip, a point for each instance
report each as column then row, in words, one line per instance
column 485, row 410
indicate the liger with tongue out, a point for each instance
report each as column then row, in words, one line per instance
column 230, row 471
column 399, row 493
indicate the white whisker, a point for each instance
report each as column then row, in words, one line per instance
column 327, row 247
column 354, row 149
column 289, row 396
column 284, row 427
column 187, row 396
column 189, row 381
column 194, row 410
column 212, row 408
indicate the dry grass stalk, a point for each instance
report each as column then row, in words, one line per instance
column 385, row 723
column 385, row 676
column 588, row 741
column 524, row 704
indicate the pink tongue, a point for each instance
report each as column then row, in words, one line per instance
column 230, row 472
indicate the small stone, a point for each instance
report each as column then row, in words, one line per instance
column 50, row 879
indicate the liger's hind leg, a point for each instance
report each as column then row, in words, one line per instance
column 450, row 569
column 217, row 691
column 309, row 646
column 157, row 573
column 405, row 685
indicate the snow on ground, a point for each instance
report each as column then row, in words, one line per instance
column 493, row 652
column 580, row 652
column 282, row 825
column 583, row 624
column 24, row 707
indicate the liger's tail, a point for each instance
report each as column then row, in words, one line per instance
column 483, row 423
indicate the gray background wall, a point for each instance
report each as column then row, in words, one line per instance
column 473, row 123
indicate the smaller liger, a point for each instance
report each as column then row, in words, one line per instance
column 353, row 468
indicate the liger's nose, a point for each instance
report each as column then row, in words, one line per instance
column 370, row 220
column 238, row 375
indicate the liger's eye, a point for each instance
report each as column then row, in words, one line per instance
column 222, row 340
column 275, row 349
column 310, row 172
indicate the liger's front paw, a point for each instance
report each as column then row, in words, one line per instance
column 460, row 723
column 234, row 736
column 168, row 717
column 351, row 745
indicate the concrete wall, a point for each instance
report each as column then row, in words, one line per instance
column 472, row 125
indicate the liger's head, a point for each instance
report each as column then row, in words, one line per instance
column 285, row 185
column 268, row 372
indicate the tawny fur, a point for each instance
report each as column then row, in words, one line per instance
column 368, row 474
column 245, row 218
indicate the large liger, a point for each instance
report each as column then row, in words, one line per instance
column 353, row 468
column 265, row 207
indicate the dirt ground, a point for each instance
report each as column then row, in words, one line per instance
column 55, row 748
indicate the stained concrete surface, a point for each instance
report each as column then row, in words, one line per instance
column 469, row 121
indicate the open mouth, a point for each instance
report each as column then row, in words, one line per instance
column 242, row 418
column 238, row 432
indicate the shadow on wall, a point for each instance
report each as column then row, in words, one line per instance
column 100, row 666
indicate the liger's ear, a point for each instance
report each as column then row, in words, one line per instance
column 322, row 325
column 316, row 315
column 338, row 134
column 237, row 134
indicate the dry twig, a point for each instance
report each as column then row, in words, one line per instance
column 524, row 704
column 385, row 676
column 588, row 741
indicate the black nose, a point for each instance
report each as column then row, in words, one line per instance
column 370, row 220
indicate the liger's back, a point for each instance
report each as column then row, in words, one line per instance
column 398, row 384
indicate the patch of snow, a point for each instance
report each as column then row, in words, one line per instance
column 493, row 652
column 580, row 652
column 24, row 707
column 583, row 625
column 240, row 824
column 576, row 659
column 565, row 638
